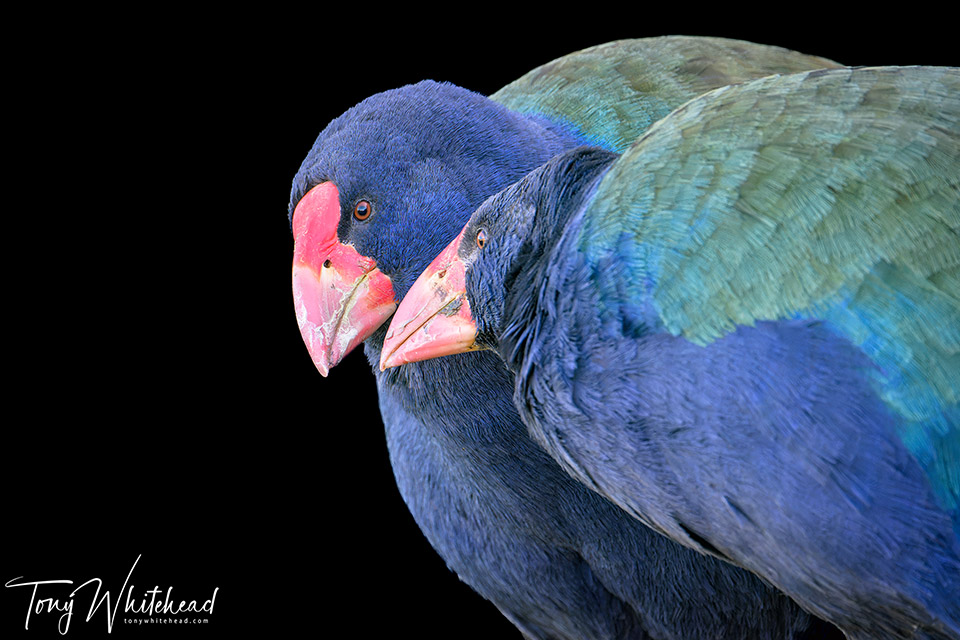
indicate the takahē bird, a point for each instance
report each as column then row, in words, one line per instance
column 384, row 188
column 745, row 330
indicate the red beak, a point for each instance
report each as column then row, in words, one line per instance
column 340, row 296
column 434, row 317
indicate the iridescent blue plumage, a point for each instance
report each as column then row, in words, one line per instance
column 744, row 331
column 838, row 214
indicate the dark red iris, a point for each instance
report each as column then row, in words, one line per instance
column 363, row 210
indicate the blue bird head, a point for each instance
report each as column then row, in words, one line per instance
column 475, row 295
column 384, row 188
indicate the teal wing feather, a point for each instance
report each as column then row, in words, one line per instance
column 830, row 195
column 610, row 94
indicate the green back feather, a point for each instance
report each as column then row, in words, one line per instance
column 612, row 93
column 829, row 194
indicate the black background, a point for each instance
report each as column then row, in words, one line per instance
column 159, row 399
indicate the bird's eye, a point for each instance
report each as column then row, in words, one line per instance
column 363, row 210
column 481, row 238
